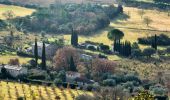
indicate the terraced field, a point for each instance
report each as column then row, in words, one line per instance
column 13, row 90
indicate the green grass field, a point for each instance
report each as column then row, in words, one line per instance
column 13, row 90
column 18, row 11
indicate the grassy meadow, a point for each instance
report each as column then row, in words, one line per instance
column 18, row 11
column 12, row 90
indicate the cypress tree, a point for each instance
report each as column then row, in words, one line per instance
column 72, row 64
column 36, row 52
column 43, row 57
column 156, row 42
column 74, row 38
column 115, row 44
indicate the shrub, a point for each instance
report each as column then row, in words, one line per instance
column 104, row 47
column 148, row 52
column 158, row 90
column 14, row 61
column 92, row 48
column 37, row 77
column 136, row 53
column 24, row 54
column 109, row 82
column 162, row 40
column 168, row 49
column 20, row 98
column 102, row 56
column 84, row 97
column 57, row 81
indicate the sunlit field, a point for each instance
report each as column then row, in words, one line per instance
column 4, row 59
column 13, row 90
column 18, row 11
column 161, row 22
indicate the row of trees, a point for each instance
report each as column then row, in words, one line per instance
column 161, row 40
column 43, row 64
column 124, row 48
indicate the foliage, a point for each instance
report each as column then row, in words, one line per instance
column 72, row 65
column 36, row 52
column 115, row 34
column 141, row 13
column 84, row 97
column 24, row 54
column 162, row 40
column 57, row 81
column 62, row 58
column 74, row 38
column 136, row 53
column 4, row 72
column 44, row 57
column 135, row 45
column 147, row 21
column 148, row 52
column 104, row 47
column 144, row 95
column 14, row 62
column 107, row 93
column 100, row 66
column 123, row 48
column 20, row 98
column 168, row 49
column 109, row 82
column 154, row 43
column 58, row 18
column 158, row 90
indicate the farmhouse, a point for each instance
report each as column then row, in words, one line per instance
column 86, row 57
column 14, row 70
column 50, row 49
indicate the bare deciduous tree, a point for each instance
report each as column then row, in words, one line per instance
column 147, row 21
column 62, row 58
column 141, row 13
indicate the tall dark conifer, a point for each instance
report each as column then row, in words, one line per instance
column 74, row 38
column 154, row 42
column 36, row 52
column 43, row 57
column 72, row 64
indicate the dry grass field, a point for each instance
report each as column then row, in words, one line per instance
column 13, row 90
column 4, row 59
column 18, row 11
column 161, row 22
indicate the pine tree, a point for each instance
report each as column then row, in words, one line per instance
column 36, row 52
column 72, row 64
column 74, row 38
column 43, row 57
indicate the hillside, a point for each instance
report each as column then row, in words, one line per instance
column 133, row 27
column 18, row 11
column 48, row 2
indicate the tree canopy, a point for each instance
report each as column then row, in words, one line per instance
column 115, row 34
